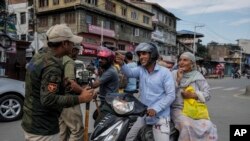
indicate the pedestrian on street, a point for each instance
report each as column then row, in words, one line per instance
column 132, row 82
column 191, row 129
column 157, row 91
column 44, row 90
column 169, row 62
column 161, row 62
column 71, row 120
column 108, row 81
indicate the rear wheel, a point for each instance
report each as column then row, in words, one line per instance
column 11, row 108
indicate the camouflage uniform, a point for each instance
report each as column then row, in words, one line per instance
column 70, row 121
column 44, row 98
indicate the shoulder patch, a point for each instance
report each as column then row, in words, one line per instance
column 52, row 87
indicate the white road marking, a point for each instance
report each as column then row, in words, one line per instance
column 242, row 90
column 214, row 88
column 230, row 89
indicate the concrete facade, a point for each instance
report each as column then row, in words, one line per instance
column 123, row 23
column 164, row 23
column 20, row 9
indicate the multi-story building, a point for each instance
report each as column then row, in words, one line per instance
column 186, row 37
column 244, row 44
column 114, row 23
column 13, row 22
column 20, row 11
column 164, row 24
column 227, row 54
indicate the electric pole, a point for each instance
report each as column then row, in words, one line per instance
column 194, row 42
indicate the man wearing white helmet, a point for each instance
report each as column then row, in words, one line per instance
column 157, row 91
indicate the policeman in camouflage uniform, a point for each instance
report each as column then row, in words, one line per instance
column 71, row 121
column 45, row 97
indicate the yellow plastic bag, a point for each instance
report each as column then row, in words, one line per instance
column 194, row 109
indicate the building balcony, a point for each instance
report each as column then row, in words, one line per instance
column 98, row 30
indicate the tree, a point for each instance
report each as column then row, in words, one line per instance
column 2, row 5
column 202, row 51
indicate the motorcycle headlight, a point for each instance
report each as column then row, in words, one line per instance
column 122, row 107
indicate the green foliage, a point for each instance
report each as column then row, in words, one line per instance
column 202, row 52
column 2, row 5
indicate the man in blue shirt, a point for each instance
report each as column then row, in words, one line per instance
column 157, row 91
column 131, row 85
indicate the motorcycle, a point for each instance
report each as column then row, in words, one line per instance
column 236, row 75
column 123, row 112
column 248, row 73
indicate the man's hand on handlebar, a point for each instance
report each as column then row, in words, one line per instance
column 151, row 112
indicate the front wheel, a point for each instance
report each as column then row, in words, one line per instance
column 146, row 133
column 11, row 108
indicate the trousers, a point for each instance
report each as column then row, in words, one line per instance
column 71, row 124
column 161, row 130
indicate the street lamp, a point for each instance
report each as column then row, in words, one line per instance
column 101, row 32
column 240, row 60
column 194, row 45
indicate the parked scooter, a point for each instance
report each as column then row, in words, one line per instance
column 248, row 73
column 236, row 75
column 114, row 126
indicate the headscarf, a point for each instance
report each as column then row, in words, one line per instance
column 191, row 76
column 189, row 55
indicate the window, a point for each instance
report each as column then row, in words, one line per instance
column 23, row 17
column 30, row 15
column 43, row 3
column 13, row 18
column 134, row 15
column 67, row 1
column 109, row 25
column 90, row 40
column 166, row 20
column 121, row 47
column 145, row 19
column 91, row 20
column 170, row 22
column 110, row 6
column 30, row 36
column 55, row 2
column 122, row 28
column 70, row 17
column 43, row 21
column 136, row 31
column 124, row 11
column 56, row 19
column 161, row 17
column 93, row 2
column 23, row 37
column 144, row 33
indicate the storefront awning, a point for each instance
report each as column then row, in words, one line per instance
column 90, row 46
column 89, row 49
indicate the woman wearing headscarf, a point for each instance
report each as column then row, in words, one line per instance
column 187, row 76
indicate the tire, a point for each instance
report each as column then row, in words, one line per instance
column 11, row 108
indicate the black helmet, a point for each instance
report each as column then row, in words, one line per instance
column 150, row 48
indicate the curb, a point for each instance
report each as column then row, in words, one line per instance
column 243, row 96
